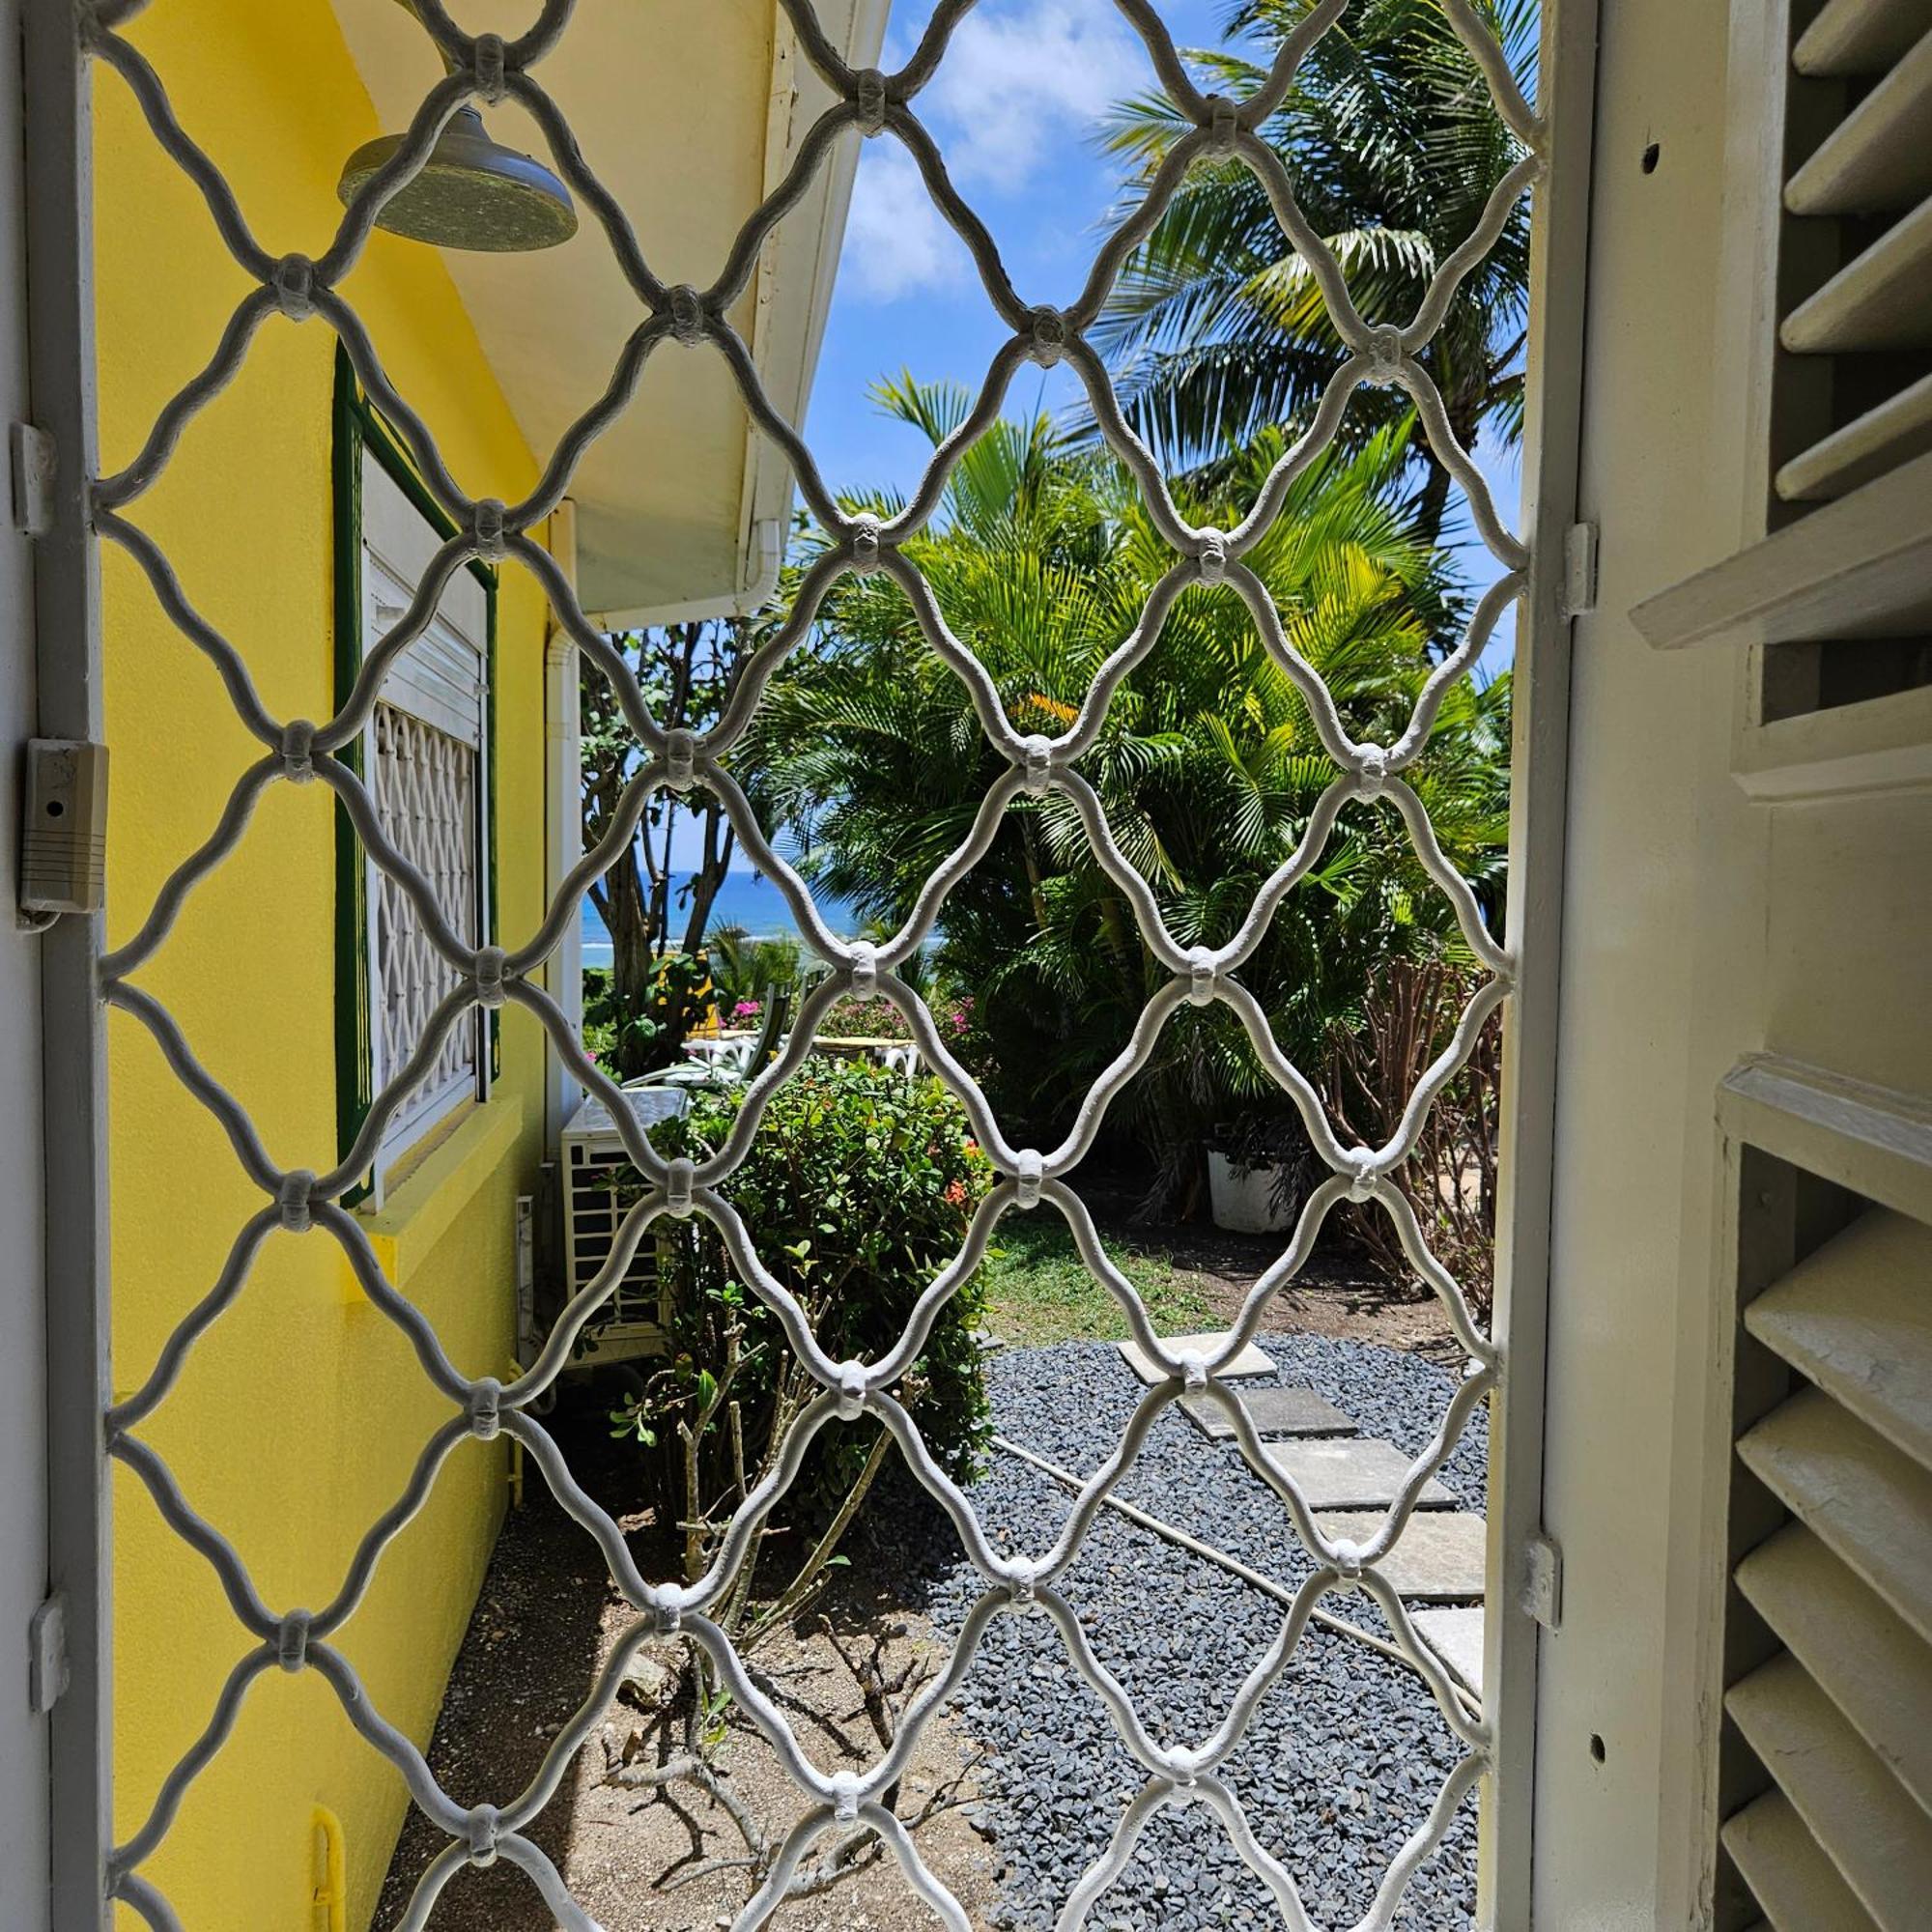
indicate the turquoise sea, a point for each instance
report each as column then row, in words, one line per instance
column 747, row 899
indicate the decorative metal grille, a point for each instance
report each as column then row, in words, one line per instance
column 1369, row 778
column 424, row 784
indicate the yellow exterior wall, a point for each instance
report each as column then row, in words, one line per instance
column 300, row 1416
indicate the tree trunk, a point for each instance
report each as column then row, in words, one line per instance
column 709, row 878
column 1432, row 506
column 633, row 965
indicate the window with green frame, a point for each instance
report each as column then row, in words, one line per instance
column 429, row 758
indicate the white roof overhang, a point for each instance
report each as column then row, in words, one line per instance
column 689, row 114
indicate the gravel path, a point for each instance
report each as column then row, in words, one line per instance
column 1343, row 1757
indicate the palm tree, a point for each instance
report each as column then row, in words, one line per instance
column 1208, row 765
column 1393, row 143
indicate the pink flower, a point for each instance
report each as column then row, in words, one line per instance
column 746, row 1009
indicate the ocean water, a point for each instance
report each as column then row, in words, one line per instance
column 747, row 899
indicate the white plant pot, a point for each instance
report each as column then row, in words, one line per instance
column 1241, row 1200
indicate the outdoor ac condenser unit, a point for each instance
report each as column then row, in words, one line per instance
column 599, row 1186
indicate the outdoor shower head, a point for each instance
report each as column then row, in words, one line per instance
column 473, row 192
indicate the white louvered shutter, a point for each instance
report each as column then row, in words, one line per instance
column 1872, row 174
column 1815, row 1583
column 1840, row 1714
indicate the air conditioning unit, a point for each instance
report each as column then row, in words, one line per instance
column 599, row 1186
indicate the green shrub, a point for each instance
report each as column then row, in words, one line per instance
column 857, row 1191
column 743, row 970
column 641, row 1036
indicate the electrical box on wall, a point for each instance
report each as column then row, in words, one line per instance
column 63, row 827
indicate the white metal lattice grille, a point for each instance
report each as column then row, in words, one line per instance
column 425, row 783
column 1369, row 778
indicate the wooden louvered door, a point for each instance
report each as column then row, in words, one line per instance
column 1825, row 1763
column 1864, row 68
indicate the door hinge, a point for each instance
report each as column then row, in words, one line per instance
column 1543, row 1581
column 62, row 829
column 1579, row 570
column 46, row 1655
column 32, row 462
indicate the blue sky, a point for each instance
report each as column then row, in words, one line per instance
column 1014, row 109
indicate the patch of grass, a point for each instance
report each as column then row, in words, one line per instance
column 1038, row 1291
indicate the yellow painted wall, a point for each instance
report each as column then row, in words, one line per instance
column 301, row 1413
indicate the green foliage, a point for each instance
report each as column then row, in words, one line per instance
column 1207, row 764
column 686, row 672
column 1393, row 143
column 856, row 1192
column 878, row 1019
column 1038, row 1291
column 651, row 1035
column 744, row 969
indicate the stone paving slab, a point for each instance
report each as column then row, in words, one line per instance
column 1437, row 1558
column 1350, row 1475
column 1249, row 1362
column 1274, row 1411
column 1455, row 1637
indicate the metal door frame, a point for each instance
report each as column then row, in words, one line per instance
column 31, row 1627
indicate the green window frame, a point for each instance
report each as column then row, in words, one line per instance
column 359, row 429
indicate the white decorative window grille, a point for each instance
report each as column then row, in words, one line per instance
column 426, row 757
column 1369, row 778
column 426, row 785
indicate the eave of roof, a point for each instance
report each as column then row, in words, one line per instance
column 690, row 115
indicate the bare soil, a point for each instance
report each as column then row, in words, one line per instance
column 646, row 1861
column 548, row 1617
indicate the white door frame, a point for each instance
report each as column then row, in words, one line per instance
column 67, row 611
column 23, row 1393
column 1540, row 759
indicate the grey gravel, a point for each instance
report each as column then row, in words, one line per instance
column 1345, row 1755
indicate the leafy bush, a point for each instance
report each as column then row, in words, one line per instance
column 879, row 1019
column 1207, row 764
column 857, row 1191
column 1407, row 1020
column 641, row 1037
column 744, row 969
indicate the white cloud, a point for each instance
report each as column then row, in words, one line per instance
column 1022, row 81
column 1021, row 87
column 896, row 242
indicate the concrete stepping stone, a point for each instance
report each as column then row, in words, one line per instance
column 1455, row 1637
column 1249, row 1362
column 1350, row 1475
column 1437, row 1558
column 1274, row 1411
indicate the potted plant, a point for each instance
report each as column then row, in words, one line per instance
column 1259, row 1169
